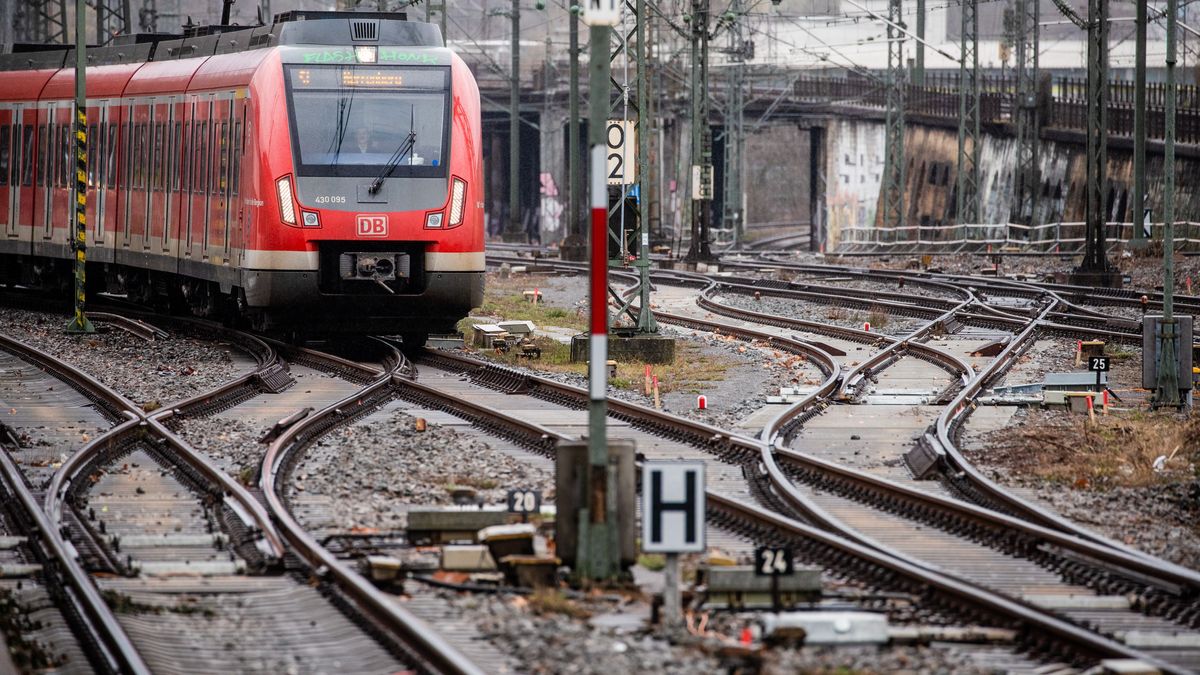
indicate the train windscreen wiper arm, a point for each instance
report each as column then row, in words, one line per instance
column 394, row 161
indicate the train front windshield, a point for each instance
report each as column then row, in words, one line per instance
column 353, row 120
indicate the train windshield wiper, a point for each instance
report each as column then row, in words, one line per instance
column 405, row 148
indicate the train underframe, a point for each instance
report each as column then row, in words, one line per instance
column 284, row 303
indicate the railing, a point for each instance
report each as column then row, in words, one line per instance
column 1063, row 103
column 1066, row 238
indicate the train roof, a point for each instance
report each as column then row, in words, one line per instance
column 299, row 28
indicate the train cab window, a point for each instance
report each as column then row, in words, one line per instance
column 41, row 155
column 352, row 120
column 5, row 139
column 27, row 156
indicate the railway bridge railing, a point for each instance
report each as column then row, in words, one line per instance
column 1064, row 238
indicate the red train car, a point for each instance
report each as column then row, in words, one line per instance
column 323, row 174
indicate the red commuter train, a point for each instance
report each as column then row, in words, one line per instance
column 323, row 174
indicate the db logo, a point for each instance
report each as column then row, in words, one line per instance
column 373, row 225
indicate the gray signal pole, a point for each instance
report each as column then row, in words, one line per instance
column 1139, row 128
column 515, row 232
column 1167, row 392
column 701, row 174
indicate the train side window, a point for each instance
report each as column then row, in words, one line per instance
column 126, row 155
column 110, row 162
column 176, row 152
column 237, row 157
column 140, row 151
column 27, row 156
column 41, row 155
column 156, row 157
column 185, row 155
column 92, row 146
column 203, row 165
column 65, row 155
column 222, row 185
column 5, row 138
column 15, row 156
column 53, row 147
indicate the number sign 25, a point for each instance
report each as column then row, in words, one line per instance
column 524, row 501
column 1098, row 364
column 773, row 562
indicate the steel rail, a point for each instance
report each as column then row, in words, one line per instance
column 1034, row 621
column 114, row 652
column 429, row 648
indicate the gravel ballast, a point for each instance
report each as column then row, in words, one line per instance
column 149, row 373
column 372, row 471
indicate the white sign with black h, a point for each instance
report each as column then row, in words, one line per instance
column 673, row 507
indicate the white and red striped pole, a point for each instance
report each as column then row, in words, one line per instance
column 598, row 295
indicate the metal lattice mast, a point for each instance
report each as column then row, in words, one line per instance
column 1028, row 179
column 1095, row 261
column 968, row 117
column 42, row 21
column 918, row 76
column 893, row 162
column 701, row 175
column 515, row 230
column 645, row 320
column 734, row 206
column 112, row 19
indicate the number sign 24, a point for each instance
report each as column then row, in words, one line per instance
column 773, row 562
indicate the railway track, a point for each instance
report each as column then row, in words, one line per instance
column 1171, row 594
column 142, row 506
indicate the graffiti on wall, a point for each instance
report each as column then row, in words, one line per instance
column 551, row 208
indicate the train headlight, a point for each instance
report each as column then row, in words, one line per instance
column 287, row 206
column 433, row 220
column 458, row 199
column 366, row 53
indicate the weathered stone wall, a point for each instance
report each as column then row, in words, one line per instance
column 777, row 175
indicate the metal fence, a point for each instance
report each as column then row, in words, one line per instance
column 1066, row 238
column 1063, row 102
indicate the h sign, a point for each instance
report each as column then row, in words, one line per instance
column 372, row 224
column 673, row 507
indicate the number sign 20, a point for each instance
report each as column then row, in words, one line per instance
column 524, row 501
column 773, row 562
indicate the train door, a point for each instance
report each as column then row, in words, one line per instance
column 125, row 172
column 157, row 225
column 7, row 190
column 47, row 135
column 171, row 145
column 98, row 171
column 201, row 169
column 62, row 207
column 27, row 190
column 237, row 222
column 218, row 234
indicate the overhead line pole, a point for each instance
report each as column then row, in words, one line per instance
column 701, row 174
column 79, row 323
column 1138, row 236
column 1167, row 391
column 968, row 117
column 919, row 70
column 515, row 232
column 645, row 322
column 1096, row 270
column 893, row 163
column 1028, row 178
